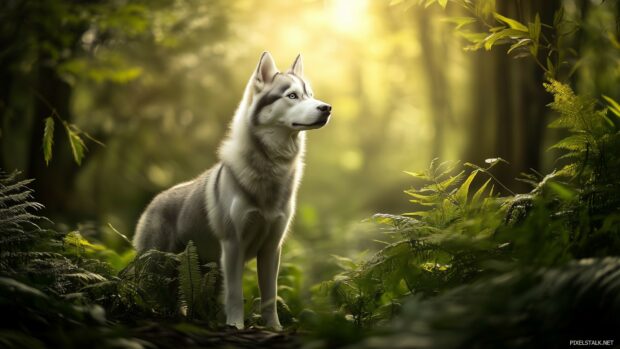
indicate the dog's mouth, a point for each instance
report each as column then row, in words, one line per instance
column 320, row 122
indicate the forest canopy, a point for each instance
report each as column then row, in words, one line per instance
column 464, row 194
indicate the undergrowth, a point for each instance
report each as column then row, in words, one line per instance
column 457, row 235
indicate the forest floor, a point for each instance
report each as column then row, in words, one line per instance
column 193, row 335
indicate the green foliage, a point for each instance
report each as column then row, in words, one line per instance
column 542, row 42
column 75, row 271
column 48, row 139
column 456, row 236
column 613, row 106
column 16, row 207
column 189, row 279
column 207, row 303
column 447, row 244
column 47, row 282
column 35, row 319
column 58, row 283
column 77, row 144
column 19, row 229
column 151, row 283
column 69, row 41
column 593, row 134
column 519, row 309
column 74, row 135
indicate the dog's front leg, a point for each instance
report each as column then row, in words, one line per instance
column 268, row 263
column 232, row 267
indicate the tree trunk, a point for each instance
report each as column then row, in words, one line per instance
column 432, row 58
column 54, row 182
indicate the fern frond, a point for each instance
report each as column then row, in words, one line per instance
column 575, row 112
column 189, row 278
column 574, row 142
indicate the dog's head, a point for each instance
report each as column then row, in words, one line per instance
column 285, row 99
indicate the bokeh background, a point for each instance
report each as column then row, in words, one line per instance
column 157, row 82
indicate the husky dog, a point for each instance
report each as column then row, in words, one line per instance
column 241, row 207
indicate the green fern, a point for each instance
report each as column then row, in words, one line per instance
column 19, row 229
column 16, row 205
column 150, row 283
column 40, row 256
column 519, row 309
column 593, row 134
column 189, row 279
column 207, row 305
column 445, row 243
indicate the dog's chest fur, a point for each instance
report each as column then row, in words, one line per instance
column 262, row 203
column 271, row 185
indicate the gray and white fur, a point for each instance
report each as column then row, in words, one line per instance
column 242, row 206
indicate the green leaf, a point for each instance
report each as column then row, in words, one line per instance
column 76, row 240
column 512, row 23
column 48, row 139
column 490, row 40
column 534, row 29
column 478, row 194
column 460, row 21
column 417, row 214
column 77, row 144
column 461, row 194
column 614, row 107
column 344, row 262
column 573, row 142
column 443, row 3
column 608, row 121
column 520, row 43
column 550, row 67
column 429, row 3
column 473, row 37
column 447, row 183
column 417, row 174
column 429, row 198
column 484, row 7
column 562, row 191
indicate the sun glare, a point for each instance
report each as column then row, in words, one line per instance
column 348, row 16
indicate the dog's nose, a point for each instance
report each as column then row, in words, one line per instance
column 324, row 107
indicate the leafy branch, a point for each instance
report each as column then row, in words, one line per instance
column 74, row 134
column 486, row 28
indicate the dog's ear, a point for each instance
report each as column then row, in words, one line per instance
column 265, row 71
column 298, row 66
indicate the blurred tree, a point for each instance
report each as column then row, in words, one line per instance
column 35, row 37
column 508, row 97
column 434, row 58
column 58, row 54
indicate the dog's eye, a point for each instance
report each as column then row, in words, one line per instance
column 292, row 95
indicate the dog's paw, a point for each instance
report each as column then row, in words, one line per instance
column 237, row 325
column 275, row 326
